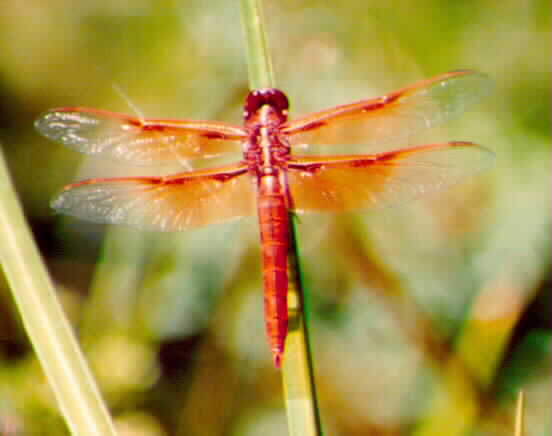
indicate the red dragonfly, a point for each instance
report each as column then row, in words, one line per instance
column 269, row 178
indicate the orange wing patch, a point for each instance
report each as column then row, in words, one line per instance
column 171, row 203
column 342, row 183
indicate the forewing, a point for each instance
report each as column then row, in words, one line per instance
column 385, row 120
column 176, row 202
column 125, row 138
column 342, row 183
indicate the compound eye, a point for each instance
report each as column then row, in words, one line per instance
column 279, row 100
column 260, row 97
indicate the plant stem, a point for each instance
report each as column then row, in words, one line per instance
column 43, row 318
column 258, row 58
column 297, row 371
column 299, row 385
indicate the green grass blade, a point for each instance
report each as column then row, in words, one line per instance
column 299, row 386
column 258, row 58
column 48, row 329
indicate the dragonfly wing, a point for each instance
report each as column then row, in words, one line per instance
column 122, row 137
column 393, row 117
column 177, row 202
column 342, row 183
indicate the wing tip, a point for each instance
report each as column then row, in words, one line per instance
column 469, row 144
column 486, row 83
column 55, row 203
column 43, row 121
column 59, row 203
column 52, row 123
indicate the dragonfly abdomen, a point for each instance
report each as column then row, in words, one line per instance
column 274, row 229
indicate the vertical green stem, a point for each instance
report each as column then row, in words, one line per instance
column 45, row 323
column 297, row 371
column 258, row 58
column 299, row 385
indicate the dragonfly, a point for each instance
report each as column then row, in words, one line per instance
column 270, row 180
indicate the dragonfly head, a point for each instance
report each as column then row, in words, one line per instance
column 272, row 97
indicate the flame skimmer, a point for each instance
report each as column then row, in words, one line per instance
column 269, row 179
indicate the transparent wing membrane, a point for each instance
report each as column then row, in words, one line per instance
column 124, row 138
column 384, row 121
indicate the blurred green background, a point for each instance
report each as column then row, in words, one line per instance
column 426, row 318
